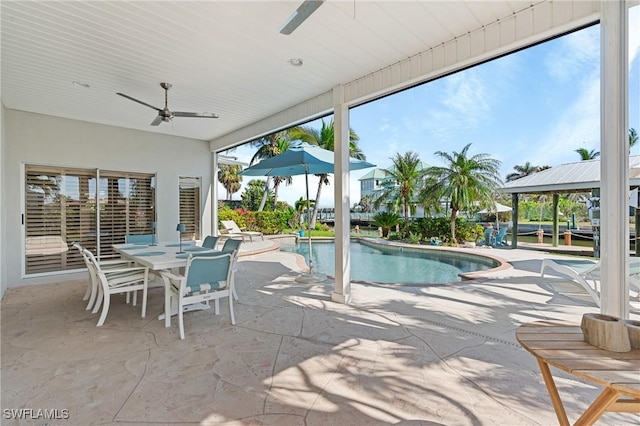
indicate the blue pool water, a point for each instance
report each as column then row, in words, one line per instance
column 383, row 264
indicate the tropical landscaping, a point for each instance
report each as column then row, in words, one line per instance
column 449, row 195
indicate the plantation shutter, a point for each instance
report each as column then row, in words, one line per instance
column 127, row 207
column 59, row 210
column 62, row 205
column 190, row 207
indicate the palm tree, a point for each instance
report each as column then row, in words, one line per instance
column 301, row 204
column 229, row 177
column 463, row 181
column 407, row 174
column 283, row 145
column 386, row 221
column 585, row 154
column 252, row 194
column 268, row 146
column 593, row 154
column 365, row 204
column 277, row 180
column 324, row 138
column 524, row 170
column 633, row 138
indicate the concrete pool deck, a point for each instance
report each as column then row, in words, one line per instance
column 433, row 355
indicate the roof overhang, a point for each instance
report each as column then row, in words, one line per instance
column 581, row 176
column 228, row 57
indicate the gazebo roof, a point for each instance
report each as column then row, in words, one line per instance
column 569, row 177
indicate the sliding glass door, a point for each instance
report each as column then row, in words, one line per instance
column 63, row 205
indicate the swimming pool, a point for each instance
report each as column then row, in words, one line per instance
column 388, row 264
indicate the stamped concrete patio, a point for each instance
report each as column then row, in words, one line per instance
column 433, row 355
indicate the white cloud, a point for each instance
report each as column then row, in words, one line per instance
column 634, row 33
column 466, row 97
column 466, row 107
column 575, row 51
column 577, row 127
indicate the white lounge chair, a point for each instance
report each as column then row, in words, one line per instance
column 587, row 273
column 233, row 229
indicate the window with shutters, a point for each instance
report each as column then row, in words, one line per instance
column 190, row 207
column 63, row 205
column 127, row 207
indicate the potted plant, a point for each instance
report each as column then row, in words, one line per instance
column 386, row 220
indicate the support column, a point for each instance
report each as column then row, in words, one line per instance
column 214, row 194
column 636, row 242
column 342, row 289
column 614, row 158
column 514, row 219
column 555, row 233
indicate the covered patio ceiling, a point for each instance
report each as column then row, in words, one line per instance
column 227, row 57
column 69, row 59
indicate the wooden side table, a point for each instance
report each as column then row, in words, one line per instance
column 562, row 345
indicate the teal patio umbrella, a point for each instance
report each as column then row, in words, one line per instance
column 304, row 160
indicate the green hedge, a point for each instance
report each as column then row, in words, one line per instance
column 267, row 222
column 439, row 227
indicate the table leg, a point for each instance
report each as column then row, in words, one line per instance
column 598, row 407
column 553, row 393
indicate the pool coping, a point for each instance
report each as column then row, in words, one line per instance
column 503, row 264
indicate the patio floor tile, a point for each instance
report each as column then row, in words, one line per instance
column 433, row 355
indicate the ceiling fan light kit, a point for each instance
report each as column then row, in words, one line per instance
column 166, row 114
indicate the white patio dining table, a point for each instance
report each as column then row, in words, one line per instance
column 159, row 257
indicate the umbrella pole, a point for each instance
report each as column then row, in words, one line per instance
column 310, row 277
column 306, row 181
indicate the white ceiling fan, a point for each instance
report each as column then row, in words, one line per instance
column 166, row 114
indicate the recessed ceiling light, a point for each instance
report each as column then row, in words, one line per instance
column 80, row 84
column 296, row 62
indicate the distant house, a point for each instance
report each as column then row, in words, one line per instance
column 373, row 183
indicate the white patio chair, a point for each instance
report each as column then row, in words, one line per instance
column 231, row 246
column 210, row 242
column 91, row 294
column 232, row 228
column 587, row 273
column 206, row 278
column 118, row 281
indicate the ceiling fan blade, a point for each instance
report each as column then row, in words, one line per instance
column 156, row 120
column 300, row 15
column 140, row 102
column 195, row 114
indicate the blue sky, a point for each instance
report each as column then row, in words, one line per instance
column 537, row 105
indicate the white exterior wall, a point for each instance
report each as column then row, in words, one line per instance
column 45, row 140
column 3, row 275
